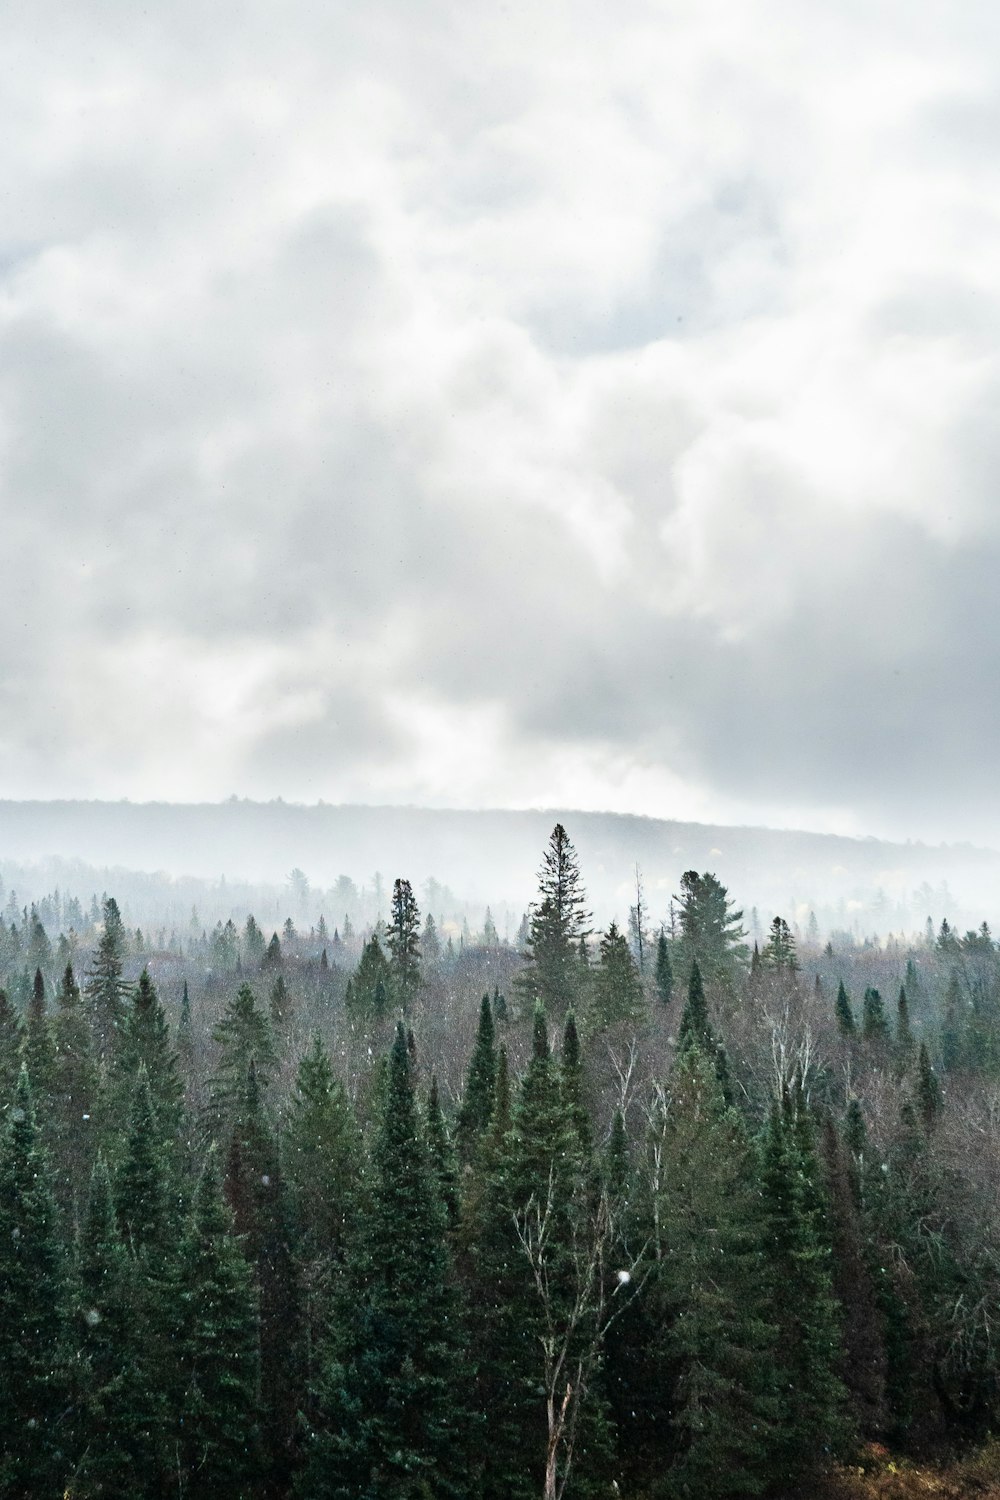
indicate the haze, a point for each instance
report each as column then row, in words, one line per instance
column 504, row 406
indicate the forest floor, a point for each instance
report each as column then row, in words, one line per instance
column 880, row 1476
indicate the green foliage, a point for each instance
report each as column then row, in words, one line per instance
column 711, row 930
column 558, row 923
column 403, row 940
column 616, row 991
column 477, row 1099
column 846, row 1024
column 369, row 990
column 33, row 1313
column 244, row 1039
column 874, row 1025
column 779, row 950
column 664, row 974
column 105, row 990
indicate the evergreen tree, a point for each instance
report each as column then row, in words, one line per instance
column 874, row 1026
column 696, row 1029
column 144, row 1042
column 617, row 989
column 395, row 1422
column 664, row 970
column 218, row 1353
column 953, row 1027
column 927, row 1090
column 403, row 939
column 10, row 1054
column 442, row 1153
column 905, row 1042
column 710, row 930
column 185, row 1035
column 244, row 1037
column 105, row 990
column 123, row 1411
column 255, row 1190
column 281, row 1008
column 74, row 1095
column 813, row 1426
column 713, row 1340
column 142, row 1186
column 39, row 1049
column 846, row 1024
column 557, row 923
column 369, row 990
column 571, row 1080
column 477, row 1099
column 779, row 950
column 33, row 1309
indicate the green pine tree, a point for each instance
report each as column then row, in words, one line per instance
column 74, row 1095
column 664, row 974
column 39, row 1053
column 874, row 1026
column 616, row 990
column 243, row 1037
column 105, row 990
column 403, row 940
column 558, row 922
column 477, row 1099
column 442, row 1153
column 34, row 1435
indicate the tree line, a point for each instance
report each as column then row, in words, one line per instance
column 681, row 1219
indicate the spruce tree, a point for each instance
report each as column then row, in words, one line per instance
column 10, row 1054
column 105, row 990
column 572, row 1084
column 74, row 1096
column 874, row 1026
column 218, row 1353
column 394, row 1418
column 39, row 1053
column 33, row 1314
column 712, row 1331
column 905, row 1041
column 616, row 991
column 813, row 1428
column 144, row 1042
column 696, row 1029
column 846, row 1024
column 664, row 973
column 557, row 924
column 927, row 1090
column 403, row 940
column 142, row 1184
column 442, row 1153
column 477, row 1099
column 243, row 1037
column 368, row 991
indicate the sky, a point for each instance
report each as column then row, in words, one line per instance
column 504, row 405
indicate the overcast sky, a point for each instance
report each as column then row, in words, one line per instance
column 505, row 405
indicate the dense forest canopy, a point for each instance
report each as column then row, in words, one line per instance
column 663, row 1206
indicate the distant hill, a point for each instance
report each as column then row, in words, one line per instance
column 493, row 856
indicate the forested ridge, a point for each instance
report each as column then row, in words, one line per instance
column 649, row 1212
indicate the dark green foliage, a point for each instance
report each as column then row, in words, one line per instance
column 217, row 1353
column 558, row 923
column 695, row 1030
column 255, row 1190
column 272, row 958
column 403, row 940
column 927, row 1090
column 712, row 1338
column 813, row 1422
column 142, row 1187
column 144, row 1042
column 571, row 1080
column 779, row 950
column 616, row 990
column 477, row 1099
column 905, row 1041
column 244, row 1038
column 39, row 1051
column 711, row 930
column 185, row 1034
column 953, row 1030
column 34, row 1434
column 10, row 1054
column 105, row 991
column 442, row 1153
column 664, row 974
column 321, row 1152
column 368, row 995
column 874, row 1026
column 74, row 1093
column 280, row 1007
column 395, row 1418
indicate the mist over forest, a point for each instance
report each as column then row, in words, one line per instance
column 227, row 859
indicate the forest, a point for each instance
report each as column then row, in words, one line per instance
column 372, row 1211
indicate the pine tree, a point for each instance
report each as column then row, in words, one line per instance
column 403, row 939
column 617, row 996
column 394, row 1418
column 696, row 1029
column 477, row 1099
column 281, row 1008
column 39, row 1053
column 144, row 1042
column 244, row 1037
column 218, row 1353
column 846, row 1024
column 442, row 1153
column 664, row 971
column 557, row 923
column 255, row 1190
column 74, row 1094
column 105, row 990
column 571, row 1082
column 33, row 1314
column 779, row 950
column 905, row 1042
column 874, row 1026
column 953, row 1027
column 142, row 1186
column 185, row 1036
column 369, row 987
column 123, row 1416
column 814, row 1427
column 711, row 931
column 10, row 1054
column 927, row 1090
column 713, row 1339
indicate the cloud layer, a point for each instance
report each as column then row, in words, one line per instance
column 504, row 405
